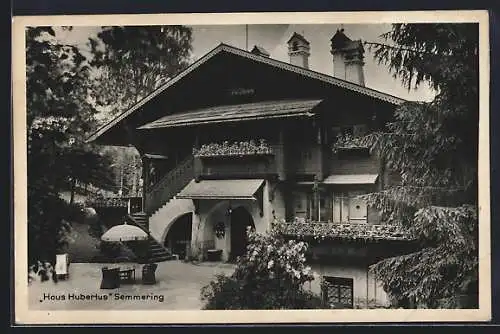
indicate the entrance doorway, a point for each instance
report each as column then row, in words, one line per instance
column 179, row 236
column 240, row 220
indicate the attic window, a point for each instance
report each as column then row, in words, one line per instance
column 295, row 46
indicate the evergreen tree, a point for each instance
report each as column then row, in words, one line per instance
column 434, row 147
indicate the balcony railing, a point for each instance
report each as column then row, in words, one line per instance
column 169, row 185
column 351, row 231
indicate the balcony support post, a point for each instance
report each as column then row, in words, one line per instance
column 145, row 181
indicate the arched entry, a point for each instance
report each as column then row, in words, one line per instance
column 240, row 219
column 179, row 235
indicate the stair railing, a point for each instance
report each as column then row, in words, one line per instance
column 169, row 185
column 129, row 219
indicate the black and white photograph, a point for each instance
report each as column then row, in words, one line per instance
column 322, row 166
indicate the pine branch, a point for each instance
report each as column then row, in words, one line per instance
column 399, row 48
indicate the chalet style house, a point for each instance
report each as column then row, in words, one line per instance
column 240, row 139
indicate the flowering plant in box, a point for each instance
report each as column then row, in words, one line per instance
column 302, row 228
column 348, row 141
column 226, row 148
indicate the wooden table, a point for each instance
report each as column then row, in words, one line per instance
column 127, row 275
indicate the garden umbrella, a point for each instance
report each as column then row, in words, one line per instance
column 124, row 232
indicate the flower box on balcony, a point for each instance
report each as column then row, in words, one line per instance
column 237, row 149
column 347, row 142
column 345, row 231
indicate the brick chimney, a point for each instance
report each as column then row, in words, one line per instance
column 348, row 58
column 299, row 50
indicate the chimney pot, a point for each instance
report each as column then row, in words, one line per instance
column 299, row 50
column 348, row 56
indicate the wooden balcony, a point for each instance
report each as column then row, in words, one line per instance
column 237, row 160
column 238, row 166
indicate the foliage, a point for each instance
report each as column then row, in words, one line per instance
column 321, row 231
column 127, row 166
column 434, row 147
column 270, row 275
column 135, row 60
column 131, row 62
column 59, row 117
column 361, row 303
column 92, row 219
column 237, row 148
column 110, row 250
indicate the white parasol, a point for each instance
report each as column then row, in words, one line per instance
column 124, row 232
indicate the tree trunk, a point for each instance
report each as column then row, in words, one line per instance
column 72, row 194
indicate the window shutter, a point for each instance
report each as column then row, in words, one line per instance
column 357, row 208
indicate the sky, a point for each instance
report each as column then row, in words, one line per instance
column 273, row 38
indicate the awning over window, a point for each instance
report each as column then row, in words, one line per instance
column 351, row 179
column 155, row 156
column 221, row 189
column 236, row 113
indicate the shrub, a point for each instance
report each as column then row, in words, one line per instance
column 74, row 212
column 271, row 275
column 110, row 250
column 48, row 226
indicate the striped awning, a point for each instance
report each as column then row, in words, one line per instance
column 351, row 179
column 236, row 113
column 221, row 189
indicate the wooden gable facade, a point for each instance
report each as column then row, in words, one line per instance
column 231, row 99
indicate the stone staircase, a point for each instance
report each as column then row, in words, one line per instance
column 156, row 252
column 159, row 200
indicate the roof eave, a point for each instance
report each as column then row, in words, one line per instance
column 267, row 60
column 219, row 121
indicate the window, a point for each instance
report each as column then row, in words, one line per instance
column 305, row 205
column 338, row 292
column 300, row 202
column 347, row 208
column 319, row 205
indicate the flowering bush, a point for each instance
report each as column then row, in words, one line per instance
column 237, row 148
column 271, row 275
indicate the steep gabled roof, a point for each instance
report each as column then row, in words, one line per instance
column 259, row 59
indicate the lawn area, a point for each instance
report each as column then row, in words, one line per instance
column 178, row 288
